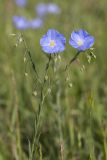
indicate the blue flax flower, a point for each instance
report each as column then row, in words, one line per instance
column 53, row 8
column 36, row 23
column 20, row 22
column 81, row 40
column 53, row 42
column 41, row 9
column 21, row 3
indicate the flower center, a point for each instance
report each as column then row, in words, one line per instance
column 52, row 43
column 80, row 42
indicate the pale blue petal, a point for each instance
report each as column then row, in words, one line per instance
column 73, row 43
column 51, row 34
column 44, row 41
column 75, row 36
column 89, row 41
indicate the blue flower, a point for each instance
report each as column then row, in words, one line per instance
column 53, row 42
column 36, row 23
column 41, row 9
column 21, row 3
column 20, row 22
column 53, row 8
column 81, row 40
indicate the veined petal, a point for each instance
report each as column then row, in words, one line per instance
column 82, row 33
column 89, row 41
column 73, row 43
column 44, row 41
column 81, row 40
column 75, row 36
column 51, row 33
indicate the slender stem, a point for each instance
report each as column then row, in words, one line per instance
column 72, row 60
column 33, row 65
column 31, row 60
column 38, row 115
column 60, row 125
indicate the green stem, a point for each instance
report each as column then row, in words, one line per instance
column 30, row 57
column 38, row 115
column 72, row 60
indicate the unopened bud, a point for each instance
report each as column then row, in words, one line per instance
column 67, row 79
column 26, row 74
column 24, row 59
column 82, row 68
column 70, row 85
column 35, row 93
column 46, row 77
column 20, row 39
column 49, row 90
column 59, row 57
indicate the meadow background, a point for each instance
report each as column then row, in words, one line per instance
column 74, row 118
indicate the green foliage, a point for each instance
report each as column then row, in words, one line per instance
column 73, row 123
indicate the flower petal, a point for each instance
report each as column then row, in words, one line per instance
column 58, row 39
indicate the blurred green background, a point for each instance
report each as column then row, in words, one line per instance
column 74, row 119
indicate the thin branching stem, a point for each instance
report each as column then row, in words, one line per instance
column 31, row 60
column 38, row 114
column 72, row 60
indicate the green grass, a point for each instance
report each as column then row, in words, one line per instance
column 73, row 124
